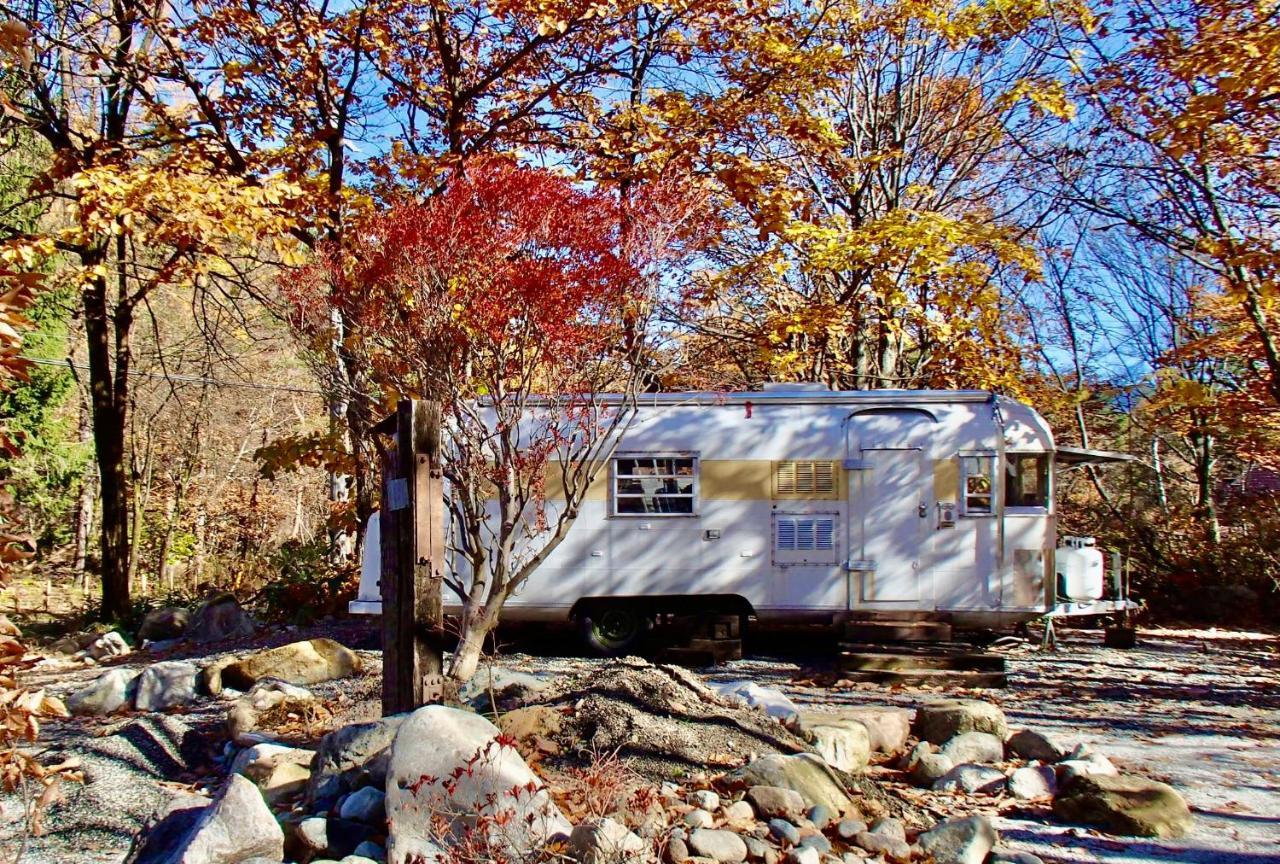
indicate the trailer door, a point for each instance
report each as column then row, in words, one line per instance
column 889, row 505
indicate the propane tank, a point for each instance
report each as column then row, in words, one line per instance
column 1079, row 566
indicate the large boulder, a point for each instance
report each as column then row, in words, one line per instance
column 805, row 773
column 448, row 769
column 842, row 741
column 941, row 720
column 257, row 761
column 307, row 662
column 166, row 685
column 981, row 747
column 237, row 826
column 220, row 617
column 167, row 623
column 1133, row 806
column 959, row 841
column 113, row 690
column 352, row 757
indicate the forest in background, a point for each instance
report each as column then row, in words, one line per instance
column 1070, row 203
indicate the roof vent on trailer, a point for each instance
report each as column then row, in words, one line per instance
column 794, row 387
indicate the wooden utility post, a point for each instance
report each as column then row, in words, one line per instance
column 413, row 560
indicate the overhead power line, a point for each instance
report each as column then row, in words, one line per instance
column 185, row 379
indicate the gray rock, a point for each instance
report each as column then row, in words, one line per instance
column 220, row 617
column 169, row 623
column 941, row 720
column 311, row 834
column 820, row 816
column 107, row 645
column 816, row 841
column 959, row 841
column 372, row 851
column 357, row 859
column 887, row 727
column 784, row 830
column 723, row 846
column 112, row 691
column 365, row 805
column 889, row 827
column 999, row 857
column 805, row 773
column 776, row 802
column 979, row 747
column 236, row 826
column 705, row 799
column 435, row 741
column 756, row 848
column 351, row 757
column 971, row 779
column 804, row 855
column 842, row 741
column 166, row 685
column 1092, row 765
column 882, row 844
column 698, row 819
column 605, row 841
column 929, row 769
column 739, row 811
column 1031, row 745
column 1033, row 782
column 344, row 836
column 257, row 761
column 850, row 828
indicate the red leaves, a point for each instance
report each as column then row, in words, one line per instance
column 510, row 273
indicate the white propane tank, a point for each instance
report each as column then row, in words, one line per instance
column 1079, row 566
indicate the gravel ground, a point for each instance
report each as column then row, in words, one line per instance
column 1197, row 709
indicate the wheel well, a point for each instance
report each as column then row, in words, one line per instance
column 681, row 604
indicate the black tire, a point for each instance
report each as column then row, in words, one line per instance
column 612, row 631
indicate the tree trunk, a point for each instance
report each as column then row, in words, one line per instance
column 108, row 392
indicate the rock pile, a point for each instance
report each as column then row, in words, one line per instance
column 445, row 783
column 269, row 676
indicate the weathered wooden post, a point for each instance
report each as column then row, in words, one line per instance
column 413, row 561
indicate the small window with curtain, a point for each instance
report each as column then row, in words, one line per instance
column 977, row 479
column 657, row 485
column 1026, row 481
column 804, row 478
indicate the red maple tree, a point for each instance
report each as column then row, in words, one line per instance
column 515, row 299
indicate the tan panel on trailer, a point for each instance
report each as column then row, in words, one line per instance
column 946, row 480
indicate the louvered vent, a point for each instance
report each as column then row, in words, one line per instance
column 805, row 533
column 805, row 478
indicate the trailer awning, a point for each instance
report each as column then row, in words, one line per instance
column 1075, row 456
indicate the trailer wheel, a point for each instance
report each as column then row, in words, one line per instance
column 611, row 631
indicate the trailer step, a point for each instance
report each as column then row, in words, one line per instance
column 939, row 677
column 881, row 632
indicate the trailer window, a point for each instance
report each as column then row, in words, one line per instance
column 1027, row 480
column 978, row 477
column 655, row 485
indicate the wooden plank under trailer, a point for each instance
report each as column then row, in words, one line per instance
column 957, row 664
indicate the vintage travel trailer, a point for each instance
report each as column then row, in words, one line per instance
column 799, row 504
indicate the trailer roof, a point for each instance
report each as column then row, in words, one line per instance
column 799, row 394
